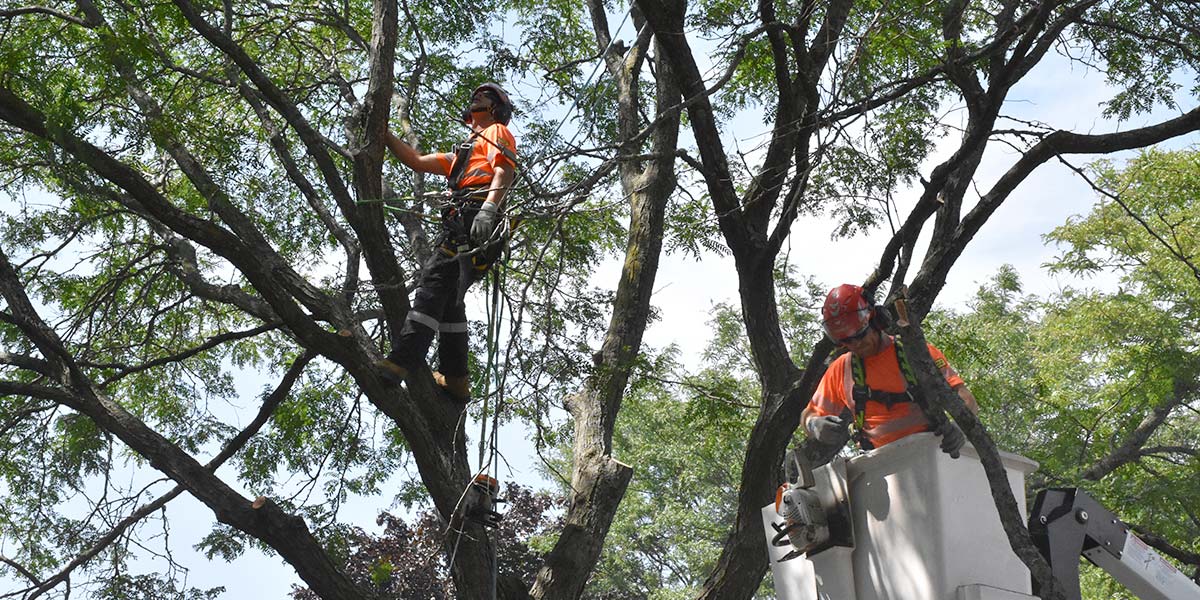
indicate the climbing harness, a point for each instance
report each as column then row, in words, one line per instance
column 862, row 393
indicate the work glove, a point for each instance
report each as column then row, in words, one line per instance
column 952, row 438
column 484, row 223
column 827, row 430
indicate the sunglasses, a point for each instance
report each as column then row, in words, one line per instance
column 853, row 338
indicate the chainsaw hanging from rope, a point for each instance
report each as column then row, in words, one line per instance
column 480, row 504
column 477, row 505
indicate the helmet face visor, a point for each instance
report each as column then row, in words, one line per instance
column 848, row 327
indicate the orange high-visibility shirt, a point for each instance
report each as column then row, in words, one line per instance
column 493, row 147
column 835, row 393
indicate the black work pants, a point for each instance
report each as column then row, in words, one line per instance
column 438, row 306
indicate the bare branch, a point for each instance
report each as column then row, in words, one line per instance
column 210, row 343
column 942, row 398
column 235, row 444
column 35, row 390
column 43, row 10
column 1131, row 448
column 20, row 569
column 1174, row 250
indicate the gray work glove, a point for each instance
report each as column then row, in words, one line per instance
column 827, row 430
column 952, row 438
column 484, row 223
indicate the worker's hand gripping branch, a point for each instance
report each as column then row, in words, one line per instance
column 952, row 438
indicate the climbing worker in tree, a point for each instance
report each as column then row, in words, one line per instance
column 479, row 173
column 868, row 386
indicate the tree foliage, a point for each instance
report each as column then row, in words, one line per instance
column 405, row 560
column 1100, row 386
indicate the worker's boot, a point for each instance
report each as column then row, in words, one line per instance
column 390, row 371
column 458, row 388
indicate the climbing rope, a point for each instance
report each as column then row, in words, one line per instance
column 494, row 377
column 488, row 441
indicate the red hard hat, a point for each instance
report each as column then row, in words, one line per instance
column 846, row 312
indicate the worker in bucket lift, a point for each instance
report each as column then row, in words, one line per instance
column 479, row 173
column 866, row 385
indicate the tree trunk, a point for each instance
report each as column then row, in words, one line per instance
column 598, row 479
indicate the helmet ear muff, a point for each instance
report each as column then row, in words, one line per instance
column 502, row 113
column 880, row 319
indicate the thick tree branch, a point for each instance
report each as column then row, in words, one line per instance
column 283, row 153
column 598, row 479
column 368, row 155
column 270, row 403
column 29, row 363
column 942, row 398
column 1034, row 45
column 937, row 264
column 366, row 220
column 186, row 268
column 17, row 112
column 19, row 568
column 314, row 299
column 963, row 75
column 666, row 19
column 763, row 194
column 34, row 390
column 10, row 13
column 1131, row 449
column 286, row 533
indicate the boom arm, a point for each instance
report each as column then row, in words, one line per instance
column 1067, row 523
